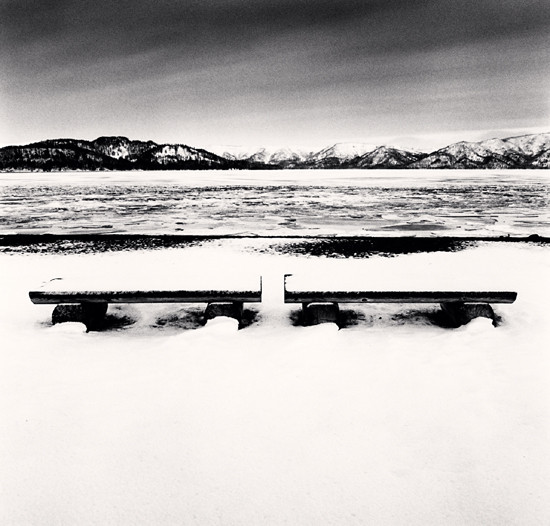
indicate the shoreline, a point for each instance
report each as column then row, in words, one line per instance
column 9, row 239
column 359, row 247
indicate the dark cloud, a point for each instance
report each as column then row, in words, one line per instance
column 93, row 31
column 272, row 51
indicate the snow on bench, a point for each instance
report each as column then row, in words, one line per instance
column 460, row 306
column 89, row 304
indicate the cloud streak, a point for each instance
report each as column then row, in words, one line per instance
column 242, row 62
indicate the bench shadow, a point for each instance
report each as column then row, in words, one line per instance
column 193, row 318
column 297, row 318
column 435, row 317
column 117, row 318
column 352, row 317
column 121, row 317
column 250, row 316
column 118, row 321
column 184, row 318
column 348, row 318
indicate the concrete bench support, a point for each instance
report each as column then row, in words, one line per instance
column 90, row 314
column 315, row 313
column 232, row 309
column 459, row 313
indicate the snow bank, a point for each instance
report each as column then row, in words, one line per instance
column 392, row 420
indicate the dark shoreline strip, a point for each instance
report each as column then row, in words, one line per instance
column 8, row 240
column 328, row 246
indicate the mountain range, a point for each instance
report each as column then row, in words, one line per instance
column 121, row 153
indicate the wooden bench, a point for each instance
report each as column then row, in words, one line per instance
column 459, row 306
column 90, row 306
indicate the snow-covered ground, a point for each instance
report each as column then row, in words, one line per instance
column 390, row 421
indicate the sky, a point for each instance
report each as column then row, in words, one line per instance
column 301, row 73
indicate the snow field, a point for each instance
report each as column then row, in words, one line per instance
column 390, row 421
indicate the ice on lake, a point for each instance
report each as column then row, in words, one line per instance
column 328, row 202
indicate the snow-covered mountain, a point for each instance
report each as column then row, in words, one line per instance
column 156, row 154
column 276, row 156
column 526, row 151
column 532, row 145
column 231, row 152
column 60, row 154
column 542, row 160
column 385, row 157
column 342, row 151
column 180, row 154
column 284, row 157
column 109, row 153
column 121, row 153
column 122, row 147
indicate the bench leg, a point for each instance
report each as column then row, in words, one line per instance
column 460, row 313
column 231, row 309
column 91, row 314
column 316, row 313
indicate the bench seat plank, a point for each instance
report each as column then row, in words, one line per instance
column 144, row 296
column 399, row 296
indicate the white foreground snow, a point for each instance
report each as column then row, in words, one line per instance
column 392, row 421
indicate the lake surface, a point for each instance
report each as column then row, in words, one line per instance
column 296, row 202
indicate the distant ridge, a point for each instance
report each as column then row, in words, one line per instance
column 526, row 151
column 110, row 153
column 121, row 153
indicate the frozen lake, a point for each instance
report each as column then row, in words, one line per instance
column 328, row 202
